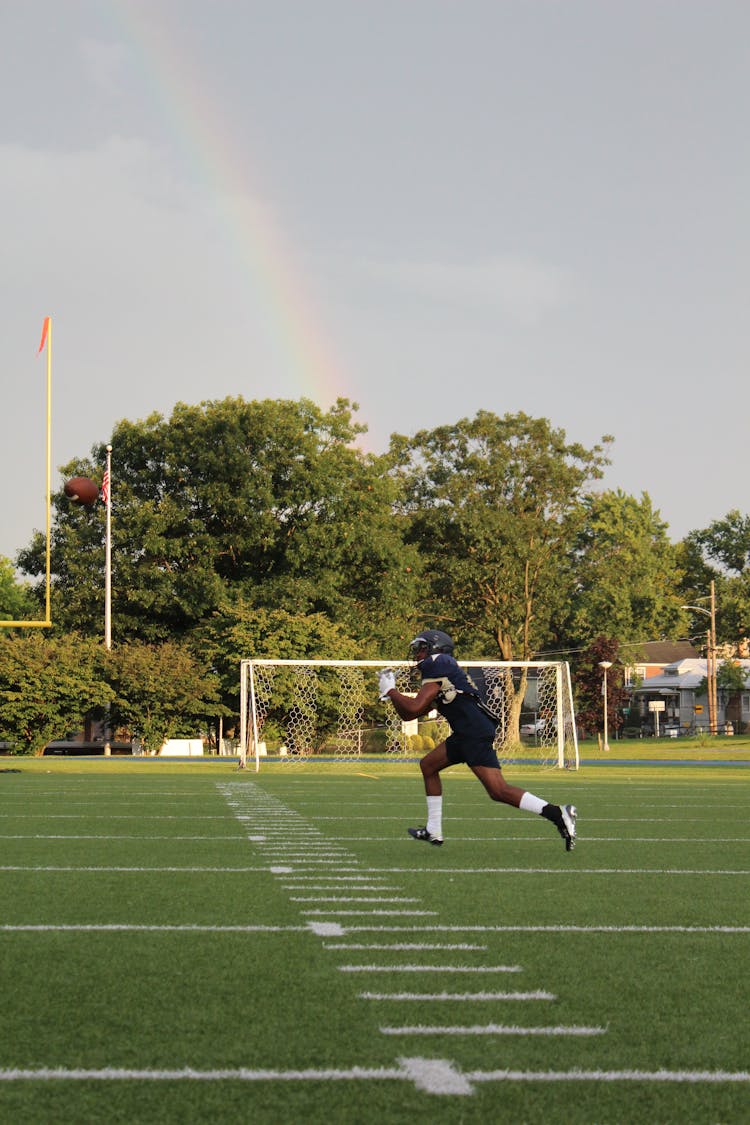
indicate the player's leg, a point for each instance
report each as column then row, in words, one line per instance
column 563, row 817
column 431, row 766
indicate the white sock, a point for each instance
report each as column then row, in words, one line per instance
column 435, row 816
column 532, row 804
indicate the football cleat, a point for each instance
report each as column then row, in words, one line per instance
column 423, row 834
column 568, row 827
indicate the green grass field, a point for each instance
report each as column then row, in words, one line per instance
column 184, row 942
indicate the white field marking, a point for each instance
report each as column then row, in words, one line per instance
column 40, row 836
column 326, row 929
column 116, row 927
column 430, row 968
column 335, row 887
column 496, row 1029
column 717, row 1077
column 348, row 898
column 372, row 913
column 137, row 870
column 436, row 1076
column 404, row 946
column 307, row 856
column 664, row 839
column 298, row 851
column 295, row 843
column 335, row 878
column 110, row 816
column 308, row 839
column 242, row 1074
column 369, row 872
column 501, row 838
column 482, row 996
column 310, row 864
column 557, row 929
column 500, row 819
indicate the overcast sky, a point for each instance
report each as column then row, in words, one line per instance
column 430, row 207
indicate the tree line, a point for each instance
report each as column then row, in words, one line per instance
column 264, row 529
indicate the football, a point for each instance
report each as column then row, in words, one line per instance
column 82, row 490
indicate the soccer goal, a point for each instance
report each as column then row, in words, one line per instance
column 297, row 710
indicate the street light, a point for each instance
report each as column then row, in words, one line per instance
column 606, row 665
column 710, row 658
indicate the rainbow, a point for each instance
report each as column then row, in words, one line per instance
column 253, row 232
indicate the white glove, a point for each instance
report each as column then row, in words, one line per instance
column 386, row 682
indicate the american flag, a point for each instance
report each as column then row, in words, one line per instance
column 105, row 487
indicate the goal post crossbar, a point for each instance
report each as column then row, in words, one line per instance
column 331, row 707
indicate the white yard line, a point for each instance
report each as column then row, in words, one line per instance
column 430, row 969
column 497, row 1029
column 406, row 946
column 432, row 1076
column 421, row 997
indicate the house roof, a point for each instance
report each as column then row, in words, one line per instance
column 681, row 674
column 666, row 652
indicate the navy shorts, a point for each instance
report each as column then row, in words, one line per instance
column 472, row 751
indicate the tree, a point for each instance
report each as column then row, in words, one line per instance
column 161, row 692
column 266, row 501
column 720, row 554
column 589, row 684
column 47, row 686
column 493, row 505
column 726, row 542
column 242, row 632
column 16, row 601
column 627, row 577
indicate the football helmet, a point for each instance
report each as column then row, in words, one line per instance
column 435, row 640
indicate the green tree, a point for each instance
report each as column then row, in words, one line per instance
column 726, row 542
column 16, row 601
column 160, row 692
column 494, row 505
column 268, row 501
column 47, row 687
column 242, row 631
column 720, row 554
column 627, row 577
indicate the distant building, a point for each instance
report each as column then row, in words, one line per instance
column 678, row 687
column 655, row 656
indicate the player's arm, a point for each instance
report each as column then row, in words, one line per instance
column 414, row 706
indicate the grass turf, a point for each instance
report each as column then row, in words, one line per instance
column 217, row 888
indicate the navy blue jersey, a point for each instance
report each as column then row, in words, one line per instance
column 456, row 700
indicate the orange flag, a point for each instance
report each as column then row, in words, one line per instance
column 45, row 330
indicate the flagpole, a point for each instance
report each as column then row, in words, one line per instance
column 108, row 579
column 48, row 333
column 108, row 557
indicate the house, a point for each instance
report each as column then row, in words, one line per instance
column 655, row 656
column 685, row 702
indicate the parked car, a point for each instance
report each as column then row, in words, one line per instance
column 534, row 727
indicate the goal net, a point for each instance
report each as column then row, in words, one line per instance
column 295, row 710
